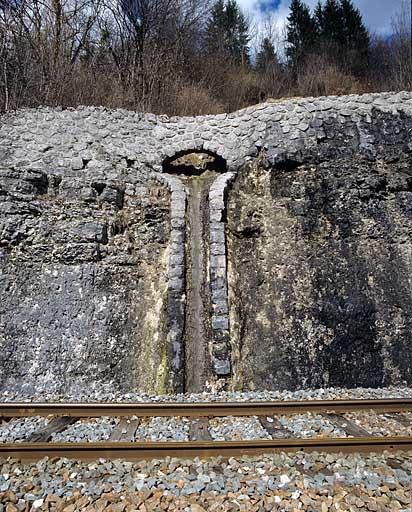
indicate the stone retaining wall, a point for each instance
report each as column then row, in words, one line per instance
column 104, row 145
column 92, row 136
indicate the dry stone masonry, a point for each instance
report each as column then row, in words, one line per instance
column 72, row 139
column 309, row 256
column 176, row 281
column 220, row 345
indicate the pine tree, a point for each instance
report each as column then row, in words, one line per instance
column 266, row 56
column 356, row 40
column 331, row 26
column 343, row 35
column 215, row 31
column 301, row 33
column 318, row 16
column 240, row 49
column 228, row 28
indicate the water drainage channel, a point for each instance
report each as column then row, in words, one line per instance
column 205, row 330
column 197, row 331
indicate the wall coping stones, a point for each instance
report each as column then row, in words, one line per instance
column 42, row 135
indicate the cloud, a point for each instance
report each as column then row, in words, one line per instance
column 377, row 14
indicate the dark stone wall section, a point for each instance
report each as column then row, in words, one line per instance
column 321, row 253
column 176, row 282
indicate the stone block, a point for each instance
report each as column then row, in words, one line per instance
column 77, row 164
column 219, row 294
column 177, row 213
column 217, row 283
column 178, row 222
column 91, row 232
column 112, row 195
column 179, row 197
column 220, row 350
column 217, row 273
column 177, row 206
column 221, row 367
column 215, row 193
column 220, row 322
column 220, row 307
column 221, row 336
column 177, row 259
column 215, row 215
column 177, row 236
column 177, row 271
column 218, row 262
column 217, row 236
column 218, row 249
column 217, row 203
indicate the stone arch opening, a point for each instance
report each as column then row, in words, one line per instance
column 194, row 162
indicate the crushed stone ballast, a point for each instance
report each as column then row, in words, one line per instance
column 137, row 431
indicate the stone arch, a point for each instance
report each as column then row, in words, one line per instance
column 176, row 163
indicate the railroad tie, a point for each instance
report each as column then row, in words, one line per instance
column 350, row 428
column 274, row 428
column 125, row 430
column 199, row 430
column 55, row 426
column 399, row 418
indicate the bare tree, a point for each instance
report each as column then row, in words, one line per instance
column 401, row 49
column 42, row 42
column 155, row 55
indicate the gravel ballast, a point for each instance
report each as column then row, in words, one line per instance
column 307, row 425
column 282, row 482
column 91, row 430
column 232, row 428
column 316, row 482
column 18, row 430
column 227, row 396
column 227, row 428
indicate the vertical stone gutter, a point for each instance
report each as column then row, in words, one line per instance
column 176, row 285
column 220, row 344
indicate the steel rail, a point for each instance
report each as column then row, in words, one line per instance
column 212, row 409
column 188, row 449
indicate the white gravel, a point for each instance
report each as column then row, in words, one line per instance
column 88, row 430
column 379, row 424
column 312, row 482
column 18, row 430
column 310, row 425
column 232, row 428
column 163, row 429
column 229, row 428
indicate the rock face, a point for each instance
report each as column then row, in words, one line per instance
column 83, row 281
column 321, row 265
column 309, row 224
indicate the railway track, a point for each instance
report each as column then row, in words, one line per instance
column 122, row 443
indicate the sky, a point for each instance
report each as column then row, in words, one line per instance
column 377, row 14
